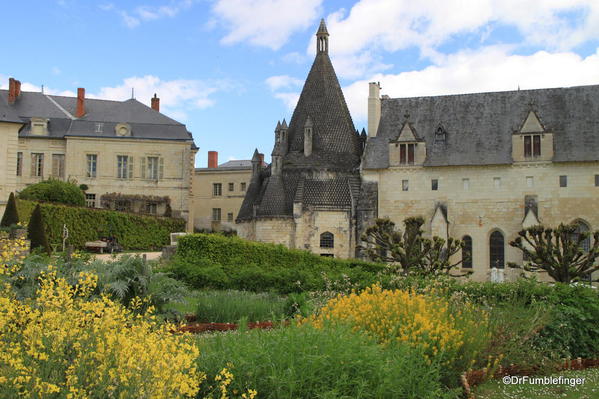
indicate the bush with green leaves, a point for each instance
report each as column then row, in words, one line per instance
column 11, row 215
column 331, row 362
column 87, row 224
column 215, row 261
column 54, row 190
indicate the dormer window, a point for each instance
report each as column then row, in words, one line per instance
column 39, row 126
column 122, row 129
column 532, row 145
column 406, row 154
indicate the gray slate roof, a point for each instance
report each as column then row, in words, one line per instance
column 480, row 126
column 144, row 121
column 237, row 163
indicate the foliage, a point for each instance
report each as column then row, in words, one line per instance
column 333, row 362
column 215, row 261
column 230, row 306
column 87, row 224
column 54, row 190
column 36, row 231
column 65, row 344
column 425, row 322
column 558, row 251
column 11, row 215
column 409, row 251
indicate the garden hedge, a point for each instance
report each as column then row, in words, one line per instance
column 133, row 232
column 215, row 261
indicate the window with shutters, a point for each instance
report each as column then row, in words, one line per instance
column 92, row 165
column 19, row 163
column 497, row 250
column 124, row 167
column 58, row 166
column 152, row 168
column 37, row 164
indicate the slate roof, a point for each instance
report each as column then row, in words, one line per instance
column 480, row 126
column 144, row 121
column 238, row 163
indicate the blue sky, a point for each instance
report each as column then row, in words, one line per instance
column 230, row 69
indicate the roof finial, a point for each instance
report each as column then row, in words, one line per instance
column 322, row 38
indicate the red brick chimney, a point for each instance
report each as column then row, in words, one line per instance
column 12, row 86
column 155, row 103
column 261, row 157
column 213, row 159
column 80, row 102
column 17, row 88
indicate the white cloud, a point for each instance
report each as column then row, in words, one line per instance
column 266, row 23
column 56, row 71
column 282, row 82
column 490, row 69
column 289, row 99
column 144, row 13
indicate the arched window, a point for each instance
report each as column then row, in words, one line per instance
column 327, row 240
column 467, row 252
column 496, row 250
column 582, row 227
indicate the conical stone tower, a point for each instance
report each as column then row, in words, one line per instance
column 312, row 185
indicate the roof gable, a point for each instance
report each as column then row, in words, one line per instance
column 532, row 124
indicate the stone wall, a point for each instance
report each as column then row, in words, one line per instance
column 8, row 161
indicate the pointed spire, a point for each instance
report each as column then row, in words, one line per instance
column 322, row 38
column 256, row 157
column 278, row 126
column 284, row 125
column 363, row 134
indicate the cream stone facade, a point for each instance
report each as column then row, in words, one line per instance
column 130, row 156
column 218, row 193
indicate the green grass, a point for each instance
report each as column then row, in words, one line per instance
column 588, row 390
column 333, row 362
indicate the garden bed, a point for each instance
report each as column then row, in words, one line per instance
column 196, row 328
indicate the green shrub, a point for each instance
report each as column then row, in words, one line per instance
column 53, row 190
column 11, row 216
column 332, row 362
column 215, row 261
column 231, row 306
column 88, row 224
column 36, row 231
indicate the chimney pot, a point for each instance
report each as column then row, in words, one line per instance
column 12, row 90
column 80, row 102
column 213, row 159
column 155, row 103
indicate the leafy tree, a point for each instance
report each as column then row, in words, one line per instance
column 36, row 231
column 53, row 190
column 409, row 252
column 11, row 216
column 558, row 251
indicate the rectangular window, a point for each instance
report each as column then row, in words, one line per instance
column 92, row 165
column 151, row 208
column 217, row 190
column 563, row 181
column 124, row 167
column 242, row 186
column 90, row 200
column 497, row 182
column 231, row 186
column 527, row 146
column 37, row 164
column 466, row 184
column 216, row 214
column 58, row 165
column 434, row 184
column 122, row 205
column 530, row 181
column 230, row 217
column 406, row 154
column 404, row 185
column 99, row 127
column 19, row 163
column 536, row 145
column 596, row 180
column 152, row 168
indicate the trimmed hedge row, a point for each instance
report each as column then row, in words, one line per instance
column 88, row 224
column 215, row 261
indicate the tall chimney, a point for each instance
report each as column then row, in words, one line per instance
column 12, row 86
column 261, row 157
column 374, row 108
column 80, row 102
column 213, row 159
column 17, row 88
column 155, row 103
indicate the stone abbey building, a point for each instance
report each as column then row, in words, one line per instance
column 478, row 167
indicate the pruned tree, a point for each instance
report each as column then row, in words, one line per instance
column 408, row 252
column 11, row 216
column 559, row 252
column 36, row 231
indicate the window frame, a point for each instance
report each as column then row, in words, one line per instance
column 243, row 186
column 231, row 187
column 405, row 185
column 217, row 189
column 497, row 250
column 563, row 181
column 91, row 165
column 467, row 250
column 216, row 214
column 327, row 240
column 434, row 184
column 90, row 198
column 19, row 163
column 37, row 161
